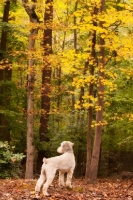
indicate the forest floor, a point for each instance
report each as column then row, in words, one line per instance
column 104, row 189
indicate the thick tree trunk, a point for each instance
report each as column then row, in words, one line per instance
column 90, row 109
column 46, row 77
column 4, row 32
column 99, row 114
column 30, row 93
column 5, row 74
column 46, row 72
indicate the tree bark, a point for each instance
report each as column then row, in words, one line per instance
column 46, row 72
column 5, row 74
column 46, row 78
column 30, row 120
column 99, row 114
column 5, row 19
column 90, row 109
column 75, row 48
column 30, row 92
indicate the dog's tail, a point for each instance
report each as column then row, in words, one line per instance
column 45, row 160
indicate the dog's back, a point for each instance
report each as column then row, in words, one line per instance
column 63, row 162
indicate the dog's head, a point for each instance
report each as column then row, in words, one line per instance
column 66, row 146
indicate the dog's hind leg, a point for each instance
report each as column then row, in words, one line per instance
column 39, row 183
column 69, row 177
column 61, row 178
column 49, row 176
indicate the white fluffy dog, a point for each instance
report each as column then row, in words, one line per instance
column 64, row 163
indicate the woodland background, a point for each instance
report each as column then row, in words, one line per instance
column 66, row 73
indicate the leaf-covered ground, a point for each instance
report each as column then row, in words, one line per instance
column 104, row 189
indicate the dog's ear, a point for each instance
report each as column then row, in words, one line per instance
column 64, row 142
column 72, row 144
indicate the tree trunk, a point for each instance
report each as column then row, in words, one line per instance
column 30, row 93
column 59, row 87
column 46, row 72
column 90, row 109
column 99, row 114
column 30, row 120
column 75, row 48
column 4, row 32
column 46, row 77
column 5, row 75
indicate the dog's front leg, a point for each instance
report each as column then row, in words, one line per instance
column 69, row 178
column 39, row 184
column 61, row 179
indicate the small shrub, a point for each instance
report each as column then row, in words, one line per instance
column 10, row 163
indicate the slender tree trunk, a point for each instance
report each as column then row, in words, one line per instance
column 46, row 77
column 90, row 109
column 59, row 95
column 99, row 114
column 5, row 74
column 30, row 120
column 75, row 47
column 30, row 92
column 59, row 87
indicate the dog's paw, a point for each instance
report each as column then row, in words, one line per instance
column 46, row 194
